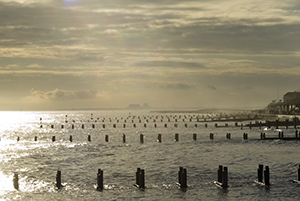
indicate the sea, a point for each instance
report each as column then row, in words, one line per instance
column 28, row 149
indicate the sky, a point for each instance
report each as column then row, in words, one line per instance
column 74, row 54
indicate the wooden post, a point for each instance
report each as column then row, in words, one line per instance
column 159, row 138
column 100, row 185
column 260, row 173
column 140, row 178
column 183, row 179
column 16, row 181
column 58, row 179
column 299, row 173
column 124, row 138
column 225, row 178
column 220, row 173
column 267, row 176
column 176, row 137
column 141, row 138
column 137, row 176
column 194, row 136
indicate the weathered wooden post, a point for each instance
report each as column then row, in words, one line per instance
column 222, row 181
column 100, row 185
column 298, row 174
column 176, row 137
column 16, row 181
column 159, row 138
column 245, row 136
column 194, row 136
column 140, row 178
column 267, row 176
column 225, row 178
column 260, row 173
column 182, row 178
column 124, row 138
column 58, row 179
column 141, row 138
column 220, row 173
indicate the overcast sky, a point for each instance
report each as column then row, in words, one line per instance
column 59, row 54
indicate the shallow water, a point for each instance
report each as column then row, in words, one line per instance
column 38, row 161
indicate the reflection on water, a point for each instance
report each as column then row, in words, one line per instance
column 36, row 162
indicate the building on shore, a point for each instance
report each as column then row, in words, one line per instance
column 289, row 105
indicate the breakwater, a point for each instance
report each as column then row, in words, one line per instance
column 118, row 151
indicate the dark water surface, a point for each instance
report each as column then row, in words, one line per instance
column 38, row 161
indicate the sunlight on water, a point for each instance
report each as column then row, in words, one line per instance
column 6, row 184
column 10, row 119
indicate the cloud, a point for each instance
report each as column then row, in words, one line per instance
column 165, row 45
column 58, row 94
column 180, row 86
column 212, row 87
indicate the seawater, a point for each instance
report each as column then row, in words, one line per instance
column 37, row 162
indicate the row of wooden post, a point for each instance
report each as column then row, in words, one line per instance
column 124, row 126
column 263, row 178
column 159, row 137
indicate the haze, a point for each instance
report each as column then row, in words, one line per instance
column 67, row 54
